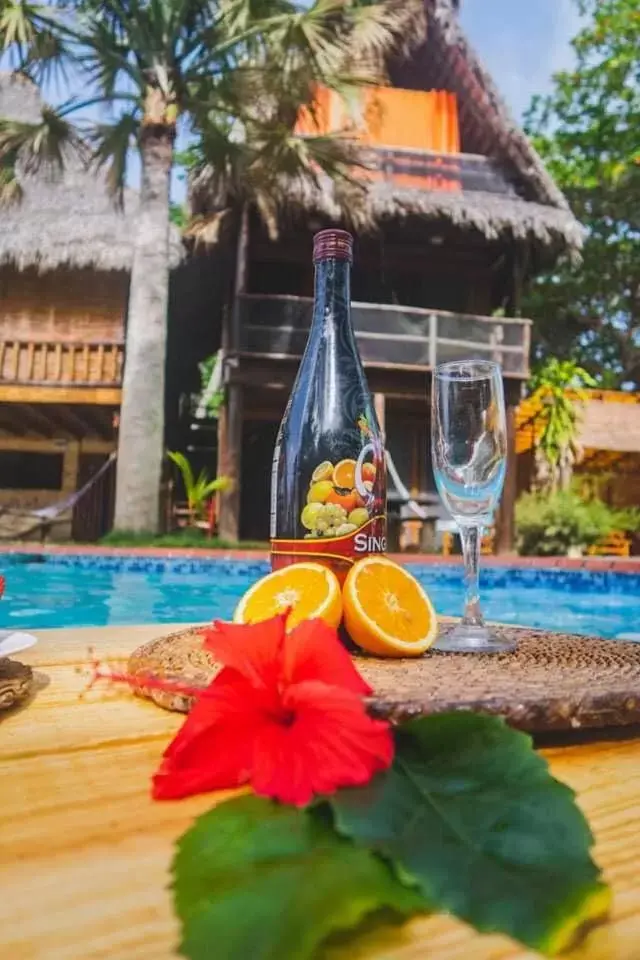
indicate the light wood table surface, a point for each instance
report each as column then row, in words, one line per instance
column 85, row 853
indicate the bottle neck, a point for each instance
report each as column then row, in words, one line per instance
column 332, row 293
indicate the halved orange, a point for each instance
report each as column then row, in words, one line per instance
column 386, row 611
column 309, row 589
column 344, row 474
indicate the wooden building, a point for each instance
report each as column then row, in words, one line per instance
column 458, row 215
column 65, row 255
column 608, row 444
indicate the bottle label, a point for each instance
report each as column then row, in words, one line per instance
column 340, row 553
column 340, row 511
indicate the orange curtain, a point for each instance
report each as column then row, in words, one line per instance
column 412, row 120
column 390, row 117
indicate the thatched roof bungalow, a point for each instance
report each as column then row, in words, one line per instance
column 66, row 250
column 456, row 214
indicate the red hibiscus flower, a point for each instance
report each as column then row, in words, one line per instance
column 285, row 714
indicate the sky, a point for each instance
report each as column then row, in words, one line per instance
column 522, row 43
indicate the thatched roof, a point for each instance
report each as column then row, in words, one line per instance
column 491, row 214
column 66, row 219
column 610, row 426
column 531, row 208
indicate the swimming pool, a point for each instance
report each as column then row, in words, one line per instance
column 83, row 590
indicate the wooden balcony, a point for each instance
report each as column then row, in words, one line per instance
column 389, row 336
column 58, row 363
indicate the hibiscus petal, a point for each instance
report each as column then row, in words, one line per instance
column 228, row 698
column 313, row 651
column 173, row 782
column 331, row 743
column 252, row 649
column 214, row 748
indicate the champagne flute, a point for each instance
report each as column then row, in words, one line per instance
column 469, row 444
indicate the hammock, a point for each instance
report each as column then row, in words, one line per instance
column 16, row 523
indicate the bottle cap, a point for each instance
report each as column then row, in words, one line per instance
column 333, row 245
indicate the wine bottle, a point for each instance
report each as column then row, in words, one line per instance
column 328, row 487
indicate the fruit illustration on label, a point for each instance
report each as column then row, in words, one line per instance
column 340, row 498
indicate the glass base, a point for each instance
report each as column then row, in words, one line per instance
column 473, row 638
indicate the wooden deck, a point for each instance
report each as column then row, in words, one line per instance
column 86, row 853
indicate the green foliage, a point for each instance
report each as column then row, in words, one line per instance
column 260, row 881
column 198, row 490
column 183, row 539
column 471, row 813
column 587, row 133
column 468, row 821
column 559, row 386
column 179, row 215
column 211, row 401
column 548, row 525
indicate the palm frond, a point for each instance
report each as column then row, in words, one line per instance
column 44, row 144
column 17, row 23
column 111, row 145
column 10, row 188
column 186, row 471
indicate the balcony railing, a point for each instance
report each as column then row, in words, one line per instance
column 50, row 363
column 387, row 335
column 439, row 171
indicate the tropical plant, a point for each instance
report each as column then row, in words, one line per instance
column 587, row 133
column 550, row 525
column 198, row 490
column 558, row 386
column 212, row 394
column 235, row 73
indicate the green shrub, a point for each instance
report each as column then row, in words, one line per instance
column 548, row 525
column 628, row 520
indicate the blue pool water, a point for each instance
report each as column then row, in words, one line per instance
column 73, row 591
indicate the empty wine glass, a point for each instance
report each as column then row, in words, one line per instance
column 469, row 443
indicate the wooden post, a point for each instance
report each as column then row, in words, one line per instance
column 505, row 519
column 231, row 414
column 70, row 467
column 230, row 462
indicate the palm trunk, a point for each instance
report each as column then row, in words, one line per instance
column 141, row 437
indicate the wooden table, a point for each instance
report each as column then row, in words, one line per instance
column 84, row 852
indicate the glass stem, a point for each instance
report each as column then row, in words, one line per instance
column 471, row 538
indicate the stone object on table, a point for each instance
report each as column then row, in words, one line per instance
column 16, row 682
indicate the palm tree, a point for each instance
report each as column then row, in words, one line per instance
column 559, row 388
column 235, row 73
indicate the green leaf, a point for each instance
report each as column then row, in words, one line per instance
column 471, row 813
column 258, row 881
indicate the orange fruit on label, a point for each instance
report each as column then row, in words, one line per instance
column 323, row 471
column 309, row 589
column 344, row 474
column 347, row 500
column 368, row 472
column 386, row 611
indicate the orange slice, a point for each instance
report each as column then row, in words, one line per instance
column 310, row 589
column 323, row 471
column 344, row 474
column 386, row 611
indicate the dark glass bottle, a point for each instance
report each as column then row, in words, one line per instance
column 328, row 487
